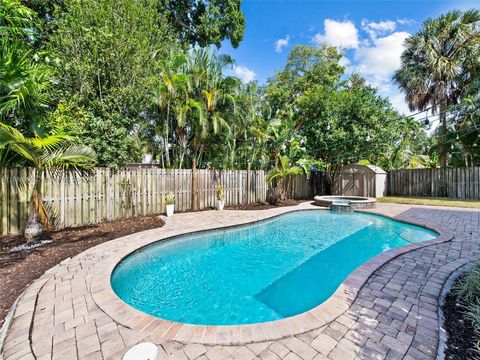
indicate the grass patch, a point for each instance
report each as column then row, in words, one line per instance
column 433, row 201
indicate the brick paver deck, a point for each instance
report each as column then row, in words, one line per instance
column 393, row 316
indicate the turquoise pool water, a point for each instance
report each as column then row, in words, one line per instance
column 260, row 272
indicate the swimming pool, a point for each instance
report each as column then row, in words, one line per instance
column 259, row 272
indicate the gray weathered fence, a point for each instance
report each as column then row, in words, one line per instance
column 108, row 194
column 461, row 183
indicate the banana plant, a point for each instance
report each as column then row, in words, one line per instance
column 283, row 175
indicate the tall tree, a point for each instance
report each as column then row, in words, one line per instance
column 438, row 64
column 213, row 91
column 108, row 50
column 306, row 66
column 345, row 125
column 171, row 91
column 203, row 23
column 192, row 22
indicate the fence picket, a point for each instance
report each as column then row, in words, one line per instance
column 461, row 183
column 109, row 194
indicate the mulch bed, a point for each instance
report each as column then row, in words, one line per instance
column 263, row 206
column 20, row 269
column 460, row 331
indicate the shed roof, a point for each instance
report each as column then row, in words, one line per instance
column 356, row 168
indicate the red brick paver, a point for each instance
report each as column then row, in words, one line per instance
column 384, row 311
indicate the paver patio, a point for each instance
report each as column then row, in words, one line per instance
column 394, row 314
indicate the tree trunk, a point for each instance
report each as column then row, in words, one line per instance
column 331, row 175
column 34, row 229
column 443, row 137
column 194, row 186
column 165, row 138
column 233, row 150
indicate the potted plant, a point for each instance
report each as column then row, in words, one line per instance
column 170, row 203
column 220, row 197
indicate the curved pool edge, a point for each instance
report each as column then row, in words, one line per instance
column 321, row 315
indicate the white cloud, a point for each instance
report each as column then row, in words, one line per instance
column 382, row 58
column 397, row 99
column 375, row 57
column 344, row 61
column 406, row 21
column 244, row 73
column 281, row 43
column 377, row 62
column 375, row 29
column 342, row 34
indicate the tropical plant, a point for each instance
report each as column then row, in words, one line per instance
column 219, row 192
column 24, row 85
column 467, row 293
column 25, row 78
column 438, row 64
column 170, row 198
column 282, row 176
column 53, row 152
column 409, row 148
column 16, row 20
column 212, row 92
column 171, row 96
column 216, row 89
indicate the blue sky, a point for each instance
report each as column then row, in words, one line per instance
column 370, row 33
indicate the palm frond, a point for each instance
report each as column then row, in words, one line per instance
column 75, row 157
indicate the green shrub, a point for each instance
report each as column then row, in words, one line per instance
column 467, row 289
column 467, row 292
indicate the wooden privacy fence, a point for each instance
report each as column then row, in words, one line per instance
column 461, row 183
column 108, row 194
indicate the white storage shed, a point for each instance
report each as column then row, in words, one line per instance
column 361, row 180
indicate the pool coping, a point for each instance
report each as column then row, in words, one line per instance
column 359, row 203
column 161, row 329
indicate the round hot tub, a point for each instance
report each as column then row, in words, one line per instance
column 356, row 202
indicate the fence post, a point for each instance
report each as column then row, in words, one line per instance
column 248, row 182
column 194, row 186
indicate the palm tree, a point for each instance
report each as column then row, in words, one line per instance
column 437, row 65
column 214, row 91
column 282, row 175
column 173, row 84
column 244, row 119
column 50, row 152
column 184, row 108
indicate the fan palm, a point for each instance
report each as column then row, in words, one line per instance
column 50, row 152
column 283, row 174
column 437, row 63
